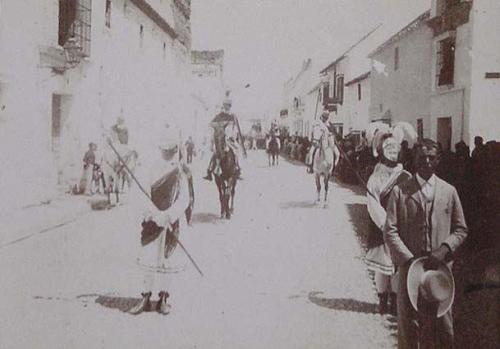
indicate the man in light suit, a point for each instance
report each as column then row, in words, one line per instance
column 424, row 218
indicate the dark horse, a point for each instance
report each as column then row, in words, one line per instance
column 273, row 150
column 225, row 174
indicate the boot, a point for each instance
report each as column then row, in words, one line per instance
column 143, row 305
column 382, row 305
column 208, row 177
column 163, row 307
column 393, row 305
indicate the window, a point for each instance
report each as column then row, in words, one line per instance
column 396, row 58
column 108, row 14
column 141, row 35
column 445, row 66
column 339, row 89
column 326, row 93
column 420, row 129
column 380, row 107
column 359, row 91
column 74, row 22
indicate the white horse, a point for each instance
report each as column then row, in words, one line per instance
column 325, row 158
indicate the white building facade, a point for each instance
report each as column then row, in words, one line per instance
column 465, row 77
column 127, row 58
column 346, row 85
column 207, row 69
column 400, row 79
column 441, row 73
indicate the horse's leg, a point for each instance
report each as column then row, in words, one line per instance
column 233, row 191
column 318, row 187
column 122, row 182
column 117, row 188
column 217, row 183
column 220, row 188
column 109, row 188
column 327, row 180
column 227, row 194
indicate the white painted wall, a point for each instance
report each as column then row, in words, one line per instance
column 485, row 93
column 453, row 101
column 146, row 82
column 358, row 110
column 406, row 91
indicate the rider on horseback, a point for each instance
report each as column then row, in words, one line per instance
column 226, row 123
column 119, row 131
column 319, row 130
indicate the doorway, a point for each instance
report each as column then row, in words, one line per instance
column 60, row 112
column 444, row 129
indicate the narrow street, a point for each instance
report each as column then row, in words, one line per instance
column 282, row 273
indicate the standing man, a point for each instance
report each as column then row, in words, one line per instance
column 189, row 150
column 172, row 194
column 88, row 169
column 424, row 218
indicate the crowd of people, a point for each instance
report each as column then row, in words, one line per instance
column 473, row 173
column 455, row 194
column 295, row 147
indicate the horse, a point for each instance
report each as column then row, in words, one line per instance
column 325, row 159
column 114, row 169
column 273, row 150
column 225, row 173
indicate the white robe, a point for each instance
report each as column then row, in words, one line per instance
column 151, row 257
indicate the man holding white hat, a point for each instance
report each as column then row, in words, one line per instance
column 424, row 218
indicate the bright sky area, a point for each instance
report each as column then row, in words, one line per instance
column 266, row 41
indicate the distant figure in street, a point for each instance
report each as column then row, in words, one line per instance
column 386, row 175
column 478, row 147
column 424, row 218
column 119, row 132
column 88, row 169
column 189, row 150
column 173, row 195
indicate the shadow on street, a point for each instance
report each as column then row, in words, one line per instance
column 345, row 304
column 298, row 204
column 204, row 218
column 360, row 221
column 123, row 304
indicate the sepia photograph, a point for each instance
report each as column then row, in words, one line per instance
column 250, row 174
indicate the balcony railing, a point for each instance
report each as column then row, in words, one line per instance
column 451, row 18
